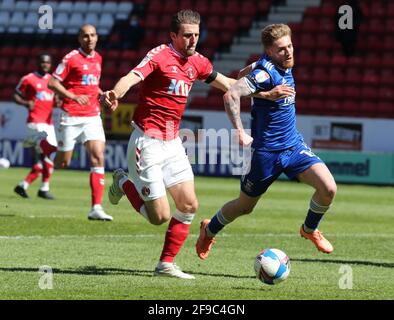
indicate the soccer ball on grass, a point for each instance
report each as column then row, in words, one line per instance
column 272, row 266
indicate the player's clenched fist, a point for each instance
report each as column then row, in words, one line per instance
column 280, row 92
column 245, row 140
column 108, row 100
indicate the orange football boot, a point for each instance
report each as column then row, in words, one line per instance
column 204, row 243
column 321, row 243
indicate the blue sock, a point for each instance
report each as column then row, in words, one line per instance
column 314, row 216
column 217, row 223
column 312, row 221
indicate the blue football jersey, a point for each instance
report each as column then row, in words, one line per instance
column 273, row 122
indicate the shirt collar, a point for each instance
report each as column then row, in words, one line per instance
column 177, row 52
column 87, row 55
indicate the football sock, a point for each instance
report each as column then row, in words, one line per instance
column 216, row 224
column 47, row 171
column 47, row 148
column 132, row 194
column 176, row 234
column 97, row 184
column 34, row 173
column 314, row 216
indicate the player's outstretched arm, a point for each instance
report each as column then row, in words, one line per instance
column 56, row 86
column 222, row 82
column 109, row 99
column 232, row 104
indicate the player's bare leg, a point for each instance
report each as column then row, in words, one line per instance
column 319, row 177
column 95, row 149
column 244, row 204
column 63, row 159
column 178, row 229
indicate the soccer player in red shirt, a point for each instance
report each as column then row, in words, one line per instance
column 33, row 93
column 76, row 79
column 156, row 158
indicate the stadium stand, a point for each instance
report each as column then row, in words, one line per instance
column 328, row 82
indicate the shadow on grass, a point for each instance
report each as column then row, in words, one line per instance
column 85, row 271
column 95, row 271
column 356, row 262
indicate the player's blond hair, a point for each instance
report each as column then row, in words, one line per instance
column 274, row 32
column 184, row 16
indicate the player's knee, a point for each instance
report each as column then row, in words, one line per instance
column 330, row 191
column 159, row 220
column 190, row 206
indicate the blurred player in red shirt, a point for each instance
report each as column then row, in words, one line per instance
column 76, row 79
column 33, row 93
column 156, row 158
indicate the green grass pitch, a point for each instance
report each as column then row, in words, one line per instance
column 115, row 260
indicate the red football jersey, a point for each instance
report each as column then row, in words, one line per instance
column 34, row 87
column 80, row 74
column 168, row 78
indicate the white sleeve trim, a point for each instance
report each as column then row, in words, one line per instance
column 138, row 74
column 57, row 77
column 250, row 85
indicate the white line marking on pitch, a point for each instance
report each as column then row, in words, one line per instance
column 246, row 235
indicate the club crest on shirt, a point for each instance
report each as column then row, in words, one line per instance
column 145, row 191
column 190, row 72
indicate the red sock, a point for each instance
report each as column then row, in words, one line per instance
column 97, row 185
column 176, row 235
column 34, row 173
column 47, row 148
column 47, row 170
column 133, row 195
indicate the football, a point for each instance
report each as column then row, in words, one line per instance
column 272, row 266
column 4, row 163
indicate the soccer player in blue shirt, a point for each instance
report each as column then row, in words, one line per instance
column 277, row 146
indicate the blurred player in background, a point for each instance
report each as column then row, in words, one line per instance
column 33, row 93
column 76, row 79
column 156, row 158
column 277, row 146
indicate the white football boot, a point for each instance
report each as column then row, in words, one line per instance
column 97, row 213
column 168, row 269
column 115, row 193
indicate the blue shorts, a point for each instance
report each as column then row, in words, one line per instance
column 267, row 166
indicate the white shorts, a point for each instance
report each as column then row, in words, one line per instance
column 33, row 128
column 78, row 129
column 155, row 165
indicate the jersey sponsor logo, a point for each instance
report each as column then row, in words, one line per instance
column 85, row 67
column 44, row 96
column 174, row 69
column 289, row 100
column 89, row 80
column 179, row 88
